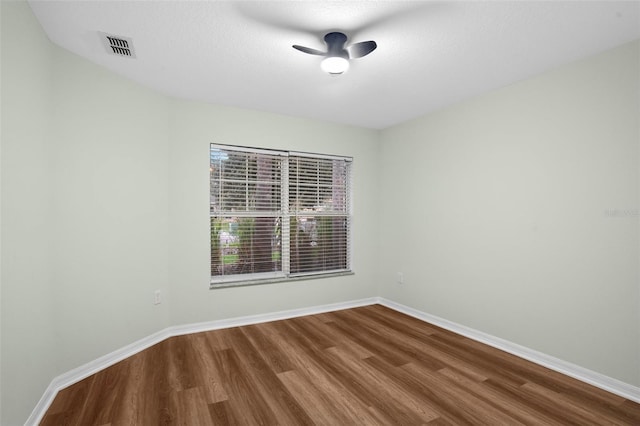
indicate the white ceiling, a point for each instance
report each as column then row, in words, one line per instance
column 430, row 53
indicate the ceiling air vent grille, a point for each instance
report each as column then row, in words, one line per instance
column 117, row 45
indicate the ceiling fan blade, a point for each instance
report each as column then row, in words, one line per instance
column 358, row 50
column 309, row 50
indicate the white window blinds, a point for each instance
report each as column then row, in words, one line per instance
column 277, row 215
column 319, row 211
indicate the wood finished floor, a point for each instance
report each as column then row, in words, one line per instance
column 362, row 366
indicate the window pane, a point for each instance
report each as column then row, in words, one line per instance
column 233, row 196
column 244, row 181
column 317, row 185
column 319, row 243
column 235, row 166
column 245, row 245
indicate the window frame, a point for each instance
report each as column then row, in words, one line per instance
column 286, row 213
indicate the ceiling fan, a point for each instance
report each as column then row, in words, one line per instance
column 337, row 55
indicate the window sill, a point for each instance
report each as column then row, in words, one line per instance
column 219, row 285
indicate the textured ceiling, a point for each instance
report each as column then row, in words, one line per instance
column 430, row 53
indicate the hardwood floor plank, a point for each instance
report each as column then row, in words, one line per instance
column 220, row 413
column 182, row 372
column 518, row 369
column 320, row 405
column 105, row 394
column 318, row 374
column 126, row 412
column 264, row 381
column 440, row 422
column 391, row 400
column 477, row 409
column 154, row 395
column 394, row 320
column 348, row 378
column 261, row 336
column 192, row 404
column 582, row 414
column 368, row 339
column 339, row 339
column 498, row 366
column 630, row 409
column 514, row 408
column 416, row 341
column 210, row 379
column 314, row 331
column 447, row 409
column 246, row 406
column 416, row 349
column 363, row 366
column 67, row 407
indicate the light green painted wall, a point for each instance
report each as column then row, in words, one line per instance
column 508, row 220
column 109, row 210
column 85, row 211
column 195, row 126
column 102, row 182
column 26, row 330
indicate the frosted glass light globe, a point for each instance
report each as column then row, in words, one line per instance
column 334, row 65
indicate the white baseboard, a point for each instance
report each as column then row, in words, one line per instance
column 272, row 316
column 86, row 370
column 599, row 380
column 67, row 379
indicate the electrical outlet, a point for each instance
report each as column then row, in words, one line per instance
column 157, row 297
column 400, row 278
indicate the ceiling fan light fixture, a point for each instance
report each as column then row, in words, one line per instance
column 334, row 65
column 337, row 55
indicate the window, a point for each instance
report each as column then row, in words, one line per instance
column 277, row 215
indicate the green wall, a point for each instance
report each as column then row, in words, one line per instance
column 26, row 299
column 105, row 200
column 521, row 213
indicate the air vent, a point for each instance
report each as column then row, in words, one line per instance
column 118, row 45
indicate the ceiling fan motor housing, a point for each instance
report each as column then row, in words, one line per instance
column 335, row 43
